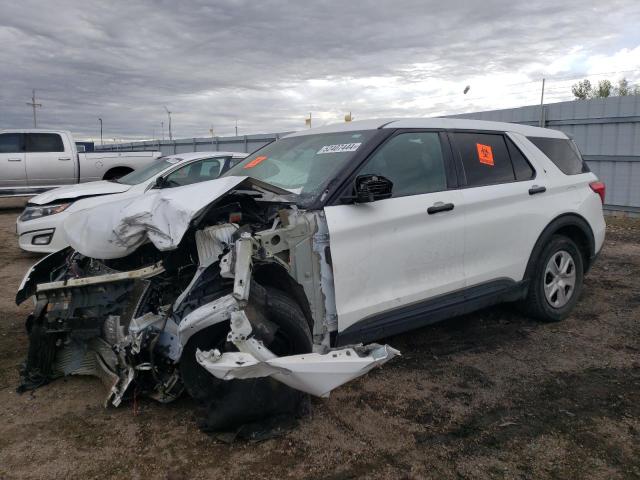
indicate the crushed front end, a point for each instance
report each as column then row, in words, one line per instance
column 238, row 309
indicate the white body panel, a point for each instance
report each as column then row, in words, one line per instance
column 32, row 172
column 97, row 193
column 13, row 171
column 392, row 253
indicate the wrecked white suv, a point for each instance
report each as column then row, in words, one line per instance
column 267, row 281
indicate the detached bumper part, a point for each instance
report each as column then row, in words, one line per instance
column 312, row 373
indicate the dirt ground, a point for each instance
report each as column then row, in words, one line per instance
column 488, row 395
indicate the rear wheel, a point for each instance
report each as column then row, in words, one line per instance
column 556, row 282
column 230, row 404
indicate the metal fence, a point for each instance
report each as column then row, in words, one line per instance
column 607, row 131
column 243, row 143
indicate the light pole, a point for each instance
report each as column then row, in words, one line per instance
column 162, row 125
column 169, row 115
column 100, row 120
column 34, row 105
column 542, row 105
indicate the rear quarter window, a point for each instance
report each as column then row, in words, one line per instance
column 563, row 153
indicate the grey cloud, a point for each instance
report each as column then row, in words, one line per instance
column 213, row 62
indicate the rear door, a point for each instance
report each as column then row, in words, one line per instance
column 13, row 172
column 47, row 160
column 403, row 250
column 504, row 208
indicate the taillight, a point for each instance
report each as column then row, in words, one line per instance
column 599, row 188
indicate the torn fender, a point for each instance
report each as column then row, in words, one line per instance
column 115, row 229
column 312, row 373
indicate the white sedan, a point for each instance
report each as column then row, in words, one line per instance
column 39, row 226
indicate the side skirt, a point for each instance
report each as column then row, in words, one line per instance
column 433, row 310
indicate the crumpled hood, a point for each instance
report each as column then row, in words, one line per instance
column 88, row 189
column 115, row 229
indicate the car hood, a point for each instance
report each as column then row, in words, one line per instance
column 116, row 228
column 80, row 190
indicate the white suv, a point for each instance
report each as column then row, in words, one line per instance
column 324, row 239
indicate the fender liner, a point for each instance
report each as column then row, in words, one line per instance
column 572, row 225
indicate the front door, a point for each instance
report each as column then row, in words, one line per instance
column 12, row 165
column 403, row 250
column 47, row 161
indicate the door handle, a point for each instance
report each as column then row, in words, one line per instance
column 64, row 158
column 14, row 159
column 536, row 189
column 439, row 207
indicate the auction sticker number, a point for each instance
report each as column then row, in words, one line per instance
column 339, row 148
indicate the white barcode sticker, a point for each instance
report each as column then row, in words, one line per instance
column 339, row 148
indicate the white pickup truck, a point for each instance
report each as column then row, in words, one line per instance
column 35, row 160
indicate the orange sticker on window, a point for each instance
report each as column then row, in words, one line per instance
column 255, row 162
column 485, row 154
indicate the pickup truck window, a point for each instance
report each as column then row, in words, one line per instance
column 11, row 143
column 44, row 142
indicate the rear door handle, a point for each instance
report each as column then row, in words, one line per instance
column 439, row 207
column 64, row 158
column 536, row 189
column 15, row 159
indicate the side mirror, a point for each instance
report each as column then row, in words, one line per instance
column 371, row 187
column 161, row 182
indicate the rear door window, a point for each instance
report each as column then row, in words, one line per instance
column 195, row 172
column 44, row 142
column 563, row 152
column 11, row 143
column 485, row 158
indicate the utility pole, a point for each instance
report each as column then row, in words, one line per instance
column 100, row 120
column 542, row 105
column 34, row 105
column 169, row 114
column 236, row 127
column 162, row 125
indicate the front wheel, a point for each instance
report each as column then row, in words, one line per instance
column 556, row 282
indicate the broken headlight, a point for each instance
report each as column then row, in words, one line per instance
column 31, row 213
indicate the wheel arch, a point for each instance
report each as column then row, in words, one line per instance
column 570, row 225
column 116, row 172
column 270, row 274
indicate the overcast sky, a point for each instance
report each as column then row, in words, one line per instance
column 269, row 63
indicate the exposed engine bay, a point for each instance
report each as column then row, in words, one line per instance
column 241, row 296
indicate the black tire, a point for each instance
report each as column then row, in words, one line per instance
column 230, row 404
column 536, row 303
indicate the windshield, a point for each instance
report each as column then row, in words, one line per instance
column 155, row 167
column 305, row 164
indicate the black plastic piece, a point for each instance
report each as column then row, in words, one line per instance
column 445, row 207
column 536, row 189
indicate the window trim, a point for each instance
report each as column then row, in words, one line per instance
column 221, row 160
column 23, row 143
column 460, row 165
column 447, row 156
column 27, row 136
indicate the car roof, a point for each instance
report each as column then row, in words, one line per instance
column 188, row 156
column 437, row 122
column 34, row 130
